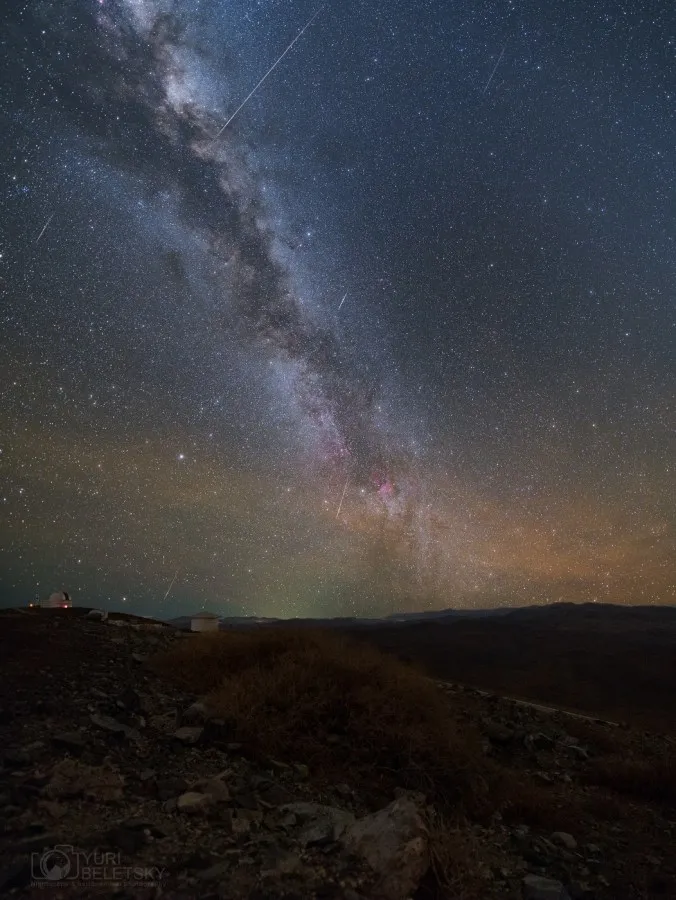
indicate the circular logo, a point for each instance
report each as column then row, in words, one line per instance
column 55, row 865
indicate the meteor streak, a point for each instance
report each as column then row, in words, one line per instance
column 502, row 53
column 340, row 505
column 170, row 586
column 44, row 228
column 269, row 72
column 342, row 301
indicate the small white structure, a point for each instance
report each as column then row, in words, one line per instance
column 204, row 621
column 57, row 600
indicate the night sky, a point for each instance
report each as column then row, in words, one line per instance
column 400, row 336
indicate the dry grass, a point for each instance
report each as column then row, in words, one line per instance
column 543, row 807
column 647, row 780
column 600, row 738
column 457, row 860
column 338, row 705
column 355, row 714
column 605, row 806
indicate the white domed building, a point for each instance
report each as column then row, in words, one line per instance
column 57, row 600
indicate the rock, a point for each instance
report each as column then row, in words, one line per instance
column 189, row 734
column 497, row 733
column 38, row 779
column 130, row 699
column 394, row 842
column 214, row 873
column 564, row 839
column 537, row 887
column 107, row 723
column 72, row 741
column 36, row 842
column 275, row 795
column 246, row 800
column 321, row 823
column 195, row 714
column 98, row 615
column 578, row 751
column 18, row 758
column 301, row 771
column 193, row 802
column 240, row 824
column 138, row 824
column 288, row 821
column 171, row 787
column 580, row 890
column 138, row 658
column 254, row 816
column 53, row 809
column 71, row 778
column 279, row 862
column 216, row 788
column 416, row 796
column 538, row 741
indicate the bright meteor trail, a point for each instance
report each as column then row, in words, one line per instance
column 340, row 505
column 171, row 584
column 495, row 68
column 269, row 72
column 44, row 228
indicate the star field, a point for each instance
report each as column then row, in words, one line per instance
column 401, row 335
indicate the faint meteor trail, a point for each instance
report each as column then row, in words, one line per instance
column 269, row 72
column 502, row 53
column 342, row 301
column 44, row 228
column 340, row 505
column 170, row 586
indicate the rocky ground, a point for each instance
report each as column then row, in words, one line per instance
column 156, row 799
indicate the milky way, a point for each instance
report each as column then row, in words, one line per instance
column 489, row 419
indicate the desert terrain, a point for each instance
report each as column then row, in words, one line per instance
column 283, row 763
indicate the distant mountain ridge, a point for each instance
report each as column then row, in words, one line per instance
column 555, row 612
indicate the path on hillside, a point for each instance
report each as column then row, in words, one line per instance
column 528, row 703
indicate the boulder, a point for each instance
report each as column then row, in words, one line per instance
column 112, row 726
column 193, row 802
column 72, row 741
column 394, row 842
column 537, row 887
column 189, row 734
column 320, row 824
column 564, row 840
column 196, row 714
